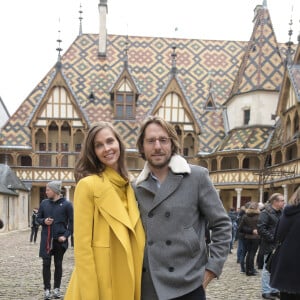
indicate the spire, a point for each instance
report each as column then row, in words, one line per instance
column 174, row 55
column 59, row 49
column 289, row 44
column 80, row 20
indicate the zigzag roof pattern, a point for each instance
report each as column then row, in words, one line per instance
column 199, row 62
column 262, row 66
column 248, row 138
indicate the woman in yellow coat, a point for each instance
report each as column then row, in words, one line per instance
column 108, row 234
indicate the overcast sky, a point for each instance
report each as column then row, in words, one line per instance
column 30, row 29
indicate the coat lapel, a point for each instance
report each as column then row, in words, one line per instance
column 109, row 201
column 168, row 187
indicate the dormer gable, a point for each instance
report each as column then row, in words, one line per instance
column 210, row 103
column 174, row 107
column 58, row 102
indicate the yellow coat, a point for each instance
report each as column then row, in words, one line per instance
column 108, row 242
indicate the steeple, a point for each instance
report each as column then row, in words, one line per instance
column 262, row 65
column 102, row 30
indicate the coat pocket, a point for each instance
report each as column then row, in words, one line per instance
column 192, row 240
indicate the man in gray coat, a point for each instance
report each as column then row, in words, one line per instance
column 175, row 200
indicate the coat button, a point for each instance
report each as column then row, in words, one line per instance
column 171, row 269
column 150, row 243
column 150, row 214
column 168, row 242
column 167, row 214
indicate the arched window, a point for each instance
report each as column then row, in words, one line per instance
column 296, row 123
column 288, row 129
column 229, row 163
column 214, row 165
column 25, row 160
column 278, row 157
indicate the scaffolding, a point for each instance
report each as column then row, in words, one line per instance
column 270, row 177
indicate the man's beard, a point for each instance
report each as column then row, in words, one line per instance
column 159, row 165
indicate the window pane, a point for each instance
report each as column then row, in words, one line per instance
column 119, row 98
column 129, row 98
column 129, row 111
column 119, row 111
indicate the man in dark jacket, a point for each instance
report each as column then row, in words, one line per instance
column 267, row 223
column 56, row 217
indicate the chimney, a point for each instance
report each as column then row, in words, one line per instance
column 102, row 30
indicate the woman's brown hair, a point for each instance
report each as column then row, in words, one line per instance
column 88, row 162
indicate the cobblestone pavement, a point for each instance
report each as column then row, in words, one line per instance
column 21, row 277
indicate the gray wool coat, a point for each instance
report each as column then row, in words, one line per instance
column 174, row 221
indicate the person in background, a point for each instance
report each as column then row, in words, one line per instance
column 233, row 217
column 249, row 227
column 240, row 252
column 34, row 226
column 267, row 223
column 176, row 200
column 260, row 253
column 56, row 217
column 285, row 272
column 108, row 233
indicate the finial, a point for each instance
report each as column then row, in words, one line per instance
column 265, row 5
column 59, row 49
column 126, row 52
column 290, row 43
column 80, row 20
column 174, row 55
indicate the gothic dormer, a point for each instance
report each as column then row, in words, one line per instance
column 174, row 106
column 57, row 123
column 125, row 92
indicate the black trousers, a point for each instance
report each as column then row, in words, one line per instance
column 198, row 294
column 57, row 252
column 33, row 234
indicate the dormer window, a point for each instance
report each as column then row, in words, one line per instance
column 124, row 100
column 124, row 108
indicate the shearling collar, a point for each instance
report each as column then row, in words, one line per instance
column 177, row 165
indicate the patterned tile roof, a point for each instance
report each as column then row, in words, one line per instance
column 248, row 138
column 200, row 65
column 262, row 66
